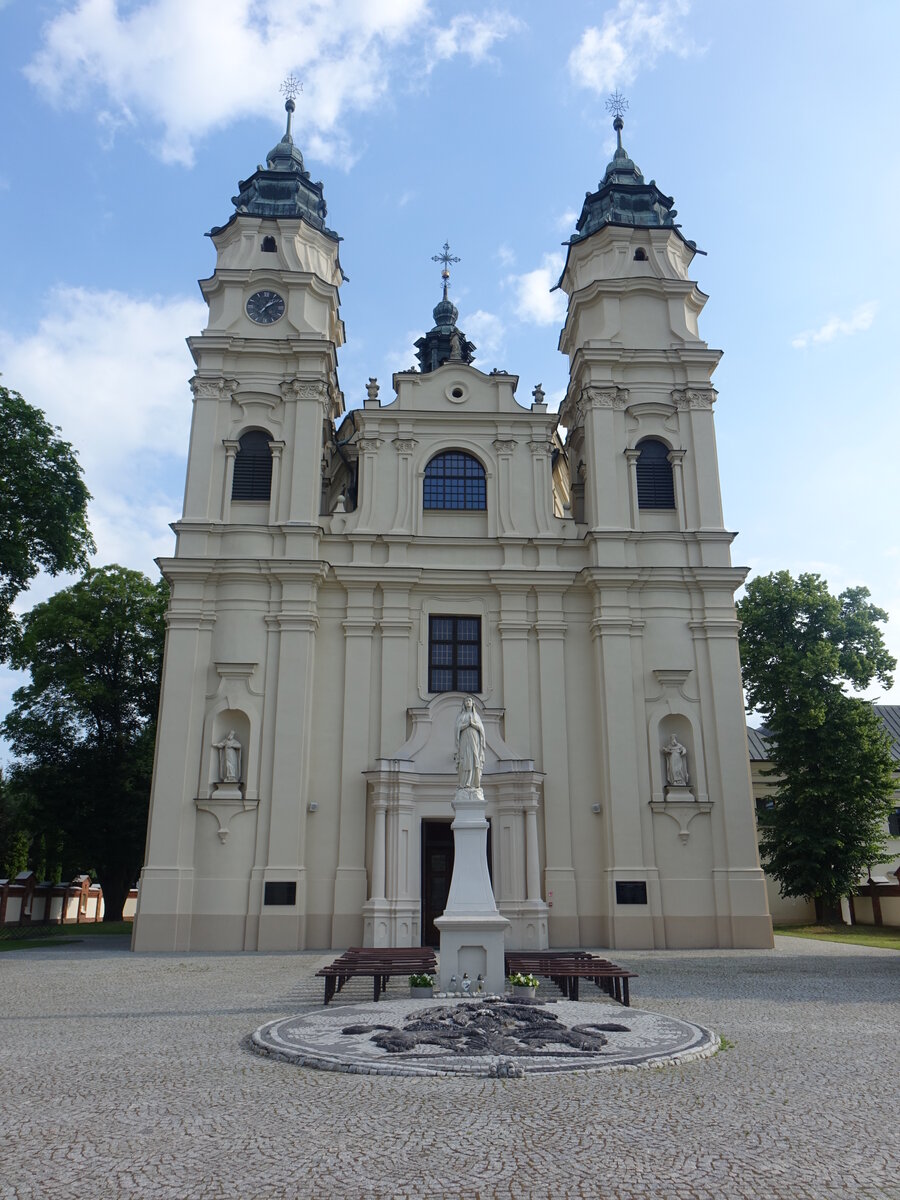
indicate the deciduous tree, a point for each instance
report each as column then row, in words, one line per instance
column 800, row 648
column 84, row 726
column 43, row 504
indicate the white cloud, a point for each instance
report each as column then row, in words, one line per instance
column 505, row 255
column 633, row 36
column 162, row 63
column 834, row 327
column 473, row 36
column 486, row 330
column 535, row 302
column 565, row 222
column 111, row 370
column 400, row 358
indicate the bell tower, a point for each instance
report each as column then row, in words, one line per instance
column 680, row 858
column 223, row 870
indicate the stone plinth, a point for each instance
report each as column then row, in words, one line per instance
column 472, row 929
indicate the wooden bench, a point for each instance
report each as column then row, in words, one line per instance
column 379, row 962
column 567, row 967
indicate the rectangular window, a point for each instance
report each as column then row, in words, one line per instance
column 894, row 823
column 454, row 654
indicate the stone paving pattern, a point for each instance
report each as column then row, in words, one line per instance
column 130, row 1076
column 322, row 1038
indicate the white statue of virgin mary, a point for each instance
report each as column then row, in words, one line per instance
column 469, row 745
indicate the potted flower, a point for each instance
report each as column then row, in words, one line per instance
column 523, row 986
column 421, row 987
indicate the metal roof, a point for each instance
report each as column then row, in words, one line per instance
column 888, row 714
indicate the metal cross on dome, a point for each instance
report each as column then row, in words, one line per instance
column 617, row 105
column 446, row 258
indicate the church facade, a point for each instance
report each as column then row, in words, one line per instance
column 343, row 580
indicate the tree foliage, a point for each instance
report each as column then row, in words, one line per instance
column 800, row 648
column 43, row 504
column 84, row 726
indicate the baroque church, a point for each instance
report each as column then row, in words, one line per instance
column 343, row 579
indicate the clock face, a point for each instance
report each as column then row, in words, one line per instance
column 265, row 307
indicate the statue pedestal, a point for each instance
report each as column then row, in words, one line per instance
column 678, row 792
column 472, row 930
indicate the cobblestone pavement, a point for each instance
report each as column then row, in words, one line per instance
column 129, row 1076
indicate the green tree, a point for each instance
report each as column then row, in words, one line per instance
column 84, row 726
column 800, row 648
column 43, row 504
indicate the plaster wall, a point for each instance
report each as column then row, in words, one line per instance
column 603, row 631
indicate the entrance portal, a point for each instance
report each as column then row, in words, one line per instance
column 437, row 872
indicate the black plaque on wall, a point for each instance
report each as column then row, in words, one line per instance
column 630, row 891
column 278, row 892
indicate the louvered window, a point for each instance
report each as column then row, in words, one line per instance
column 454, row 654
column 252, row 467
column 654, row 476
column 455, row 480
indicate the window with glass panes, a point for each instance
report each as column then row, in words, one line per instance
column 454, row 654
column 455, row 480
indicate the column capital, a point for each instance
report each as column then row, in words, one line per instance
column 702, row 398
column 304, row 389
column 604, row 397
column 216, row 388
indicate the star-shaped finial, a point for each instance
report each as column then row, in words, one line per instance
column 291, row 87
column 617, row 105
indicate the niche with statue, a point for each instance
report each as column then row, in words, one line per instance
column 677, row 750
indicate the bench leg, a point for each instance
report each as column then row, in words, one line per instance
column 573, row 988
column 329, row 987
column 627, row 999
column 376, row 980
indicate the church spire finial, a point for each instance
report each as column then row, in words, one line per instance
column 446, row 258
column 617, row 105
column 290, row 90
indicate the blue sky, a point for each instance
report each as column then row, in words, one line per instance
column 127, row 126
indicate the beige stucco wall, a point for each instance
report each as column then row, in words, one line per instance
column 604, row 631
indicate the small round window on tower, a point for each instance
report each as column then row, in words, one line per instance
column 640, row 255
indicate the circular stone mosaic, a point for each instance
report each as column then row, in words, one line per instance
column 498, row 1038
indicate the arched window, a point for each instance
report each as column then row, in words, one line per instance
column 269, row 246
column 640, row 255
column 253, row 467
column 455, row 480
column 654, row 475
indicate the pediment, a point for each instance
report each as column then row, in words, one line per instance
column 457, row 388
column 431, row 745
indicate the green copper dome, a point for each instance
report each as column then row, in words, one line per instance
column 444, row 342
column 623, row 198
column 283, row 187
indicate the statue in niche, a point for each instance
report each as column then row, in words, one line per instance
column 229, row 758
column 469, row 745
column 676, row 763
